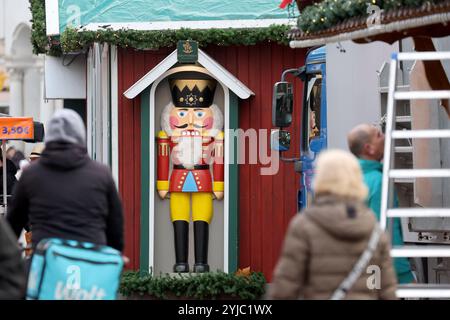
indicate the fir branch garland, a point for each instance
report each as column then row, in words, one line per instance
column 209, row 285
column 325, row 14
column 71, row 40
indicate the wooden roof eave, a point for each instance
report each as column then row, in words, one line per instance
column 435, row 25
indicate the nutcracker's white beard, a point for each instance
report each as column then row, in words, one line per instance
column 216, row 128
column 188, row 151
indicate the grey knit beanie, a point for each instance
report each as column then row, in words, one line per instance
column 66, row 126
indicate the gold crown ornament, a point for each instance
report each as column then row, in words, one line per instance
column 191, row 90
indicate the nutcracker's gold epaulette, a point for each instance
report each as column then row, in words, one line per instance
column 220, row 136
column 162, row 135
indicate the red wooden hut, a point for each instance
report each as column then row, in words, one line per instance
column 240, row 42
column 264, row 204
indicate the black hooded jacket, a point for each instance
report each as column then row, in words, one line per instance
column 12, row 269
column 67, row 195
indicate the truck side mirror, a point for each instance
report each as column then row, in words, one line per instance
column 302, row 73
column 280, row 140
column 282, row 104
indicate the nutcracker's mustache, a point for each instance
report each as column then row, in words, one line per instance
column 186, row 125
column 216, row 127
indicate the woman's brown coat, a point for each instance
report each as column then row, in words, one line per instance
column 321, row 247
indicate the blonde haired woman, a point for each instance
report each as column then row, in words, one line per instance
column 326, row 240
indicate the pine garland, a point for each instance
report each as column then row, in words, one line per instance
column 72, row 40
column 41, row 44
column 209, row 285
column 325, row 14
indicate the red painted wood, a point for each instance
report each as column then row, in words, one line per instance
column 245, row 225
column 279, row 201
column 127, row 153
column 278, row 209
column 132, row 65
column 266, row 203
column 256, row 109
column 266, row 180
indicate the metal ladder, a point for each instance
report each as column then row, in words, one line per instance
column 389, row 174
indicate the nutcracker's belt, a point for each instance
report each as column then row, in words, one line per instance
column 196, row 167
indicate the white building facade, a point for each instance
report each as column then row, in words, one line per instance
column 24, row 70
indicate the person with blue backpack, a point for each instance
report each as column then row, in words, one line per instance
column 73, row 207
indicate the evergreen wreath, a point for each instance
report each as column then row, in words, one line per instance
column 72, row 40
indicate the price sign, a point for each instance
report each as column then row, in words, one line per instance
column 16, row 128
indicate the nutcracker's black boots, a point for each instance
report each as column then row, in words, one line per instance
column 201, row 237
column 181, row 232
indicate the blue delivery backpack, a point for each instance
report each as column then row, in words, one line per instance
column 71, row 270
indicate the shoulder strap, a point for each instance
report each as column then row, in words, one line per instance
column 350, row 280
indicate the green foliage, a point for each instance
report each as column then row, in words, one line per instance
column 72, row 40
column 211, row 285
column 38, row 38
column 41, row 43
column 327, row 13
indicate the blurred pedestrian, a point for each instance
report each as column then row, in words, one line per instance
column 15, row 155
column 66, row 194
column 36, row 152
column 34, row 156
column 324, row 243
column 18, row 156
column 10, row 152
column 12, row 270
column 367, row 143
column 11, row 180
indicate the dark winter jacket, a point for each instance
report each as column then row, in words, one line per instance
column 322, row 246
column 67, row 195
column 11, row 170
column 12, row 269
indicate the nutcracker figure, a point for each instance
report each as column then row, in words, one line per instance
column 191, row 144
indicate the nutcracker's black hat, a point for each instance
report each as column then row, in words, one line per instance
column 192, row 90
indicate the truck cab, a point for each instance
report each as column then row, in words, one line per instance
column 314, row 118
